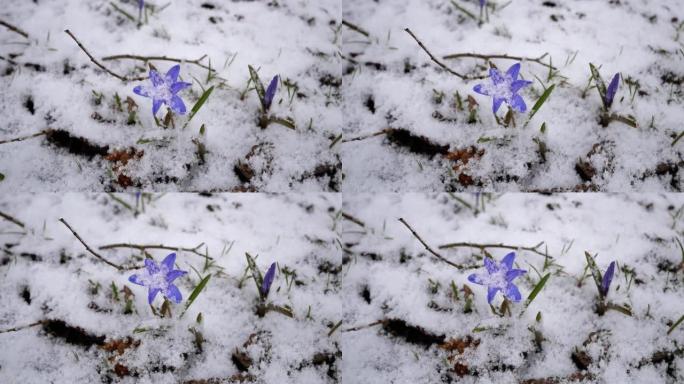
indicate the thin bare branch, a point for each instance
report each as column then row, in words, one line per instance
column 360, row 327
column 22, row 138
column 534, row 249
column 427, row 247
column 11, row 219
column 355, row 28
column 537, row 60
column 160, row 58
column 97, row 255
column 436, row 60
column 143, row 247
column 14, row 28
column 122, row 78
column 19, row 328
column 363, row 137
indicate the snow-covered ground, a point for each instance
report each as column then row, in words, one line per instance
column 48, row 83
column 430, row 336
column 389, row 82
column 46, row 274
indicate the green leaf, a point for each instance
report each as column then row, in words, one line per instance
column 672, row 328
column 600, row 85
column 284, row 122
column 629, row 119
column 622, row 309
column 2, row 176
column 542, row 99
column 258, row 86
column 595, row 271
column 195, row 292
column 681, row 248
column 199, row 103
column 256, row 273
column 679, row 136
column 537, row 289
column 543, row 128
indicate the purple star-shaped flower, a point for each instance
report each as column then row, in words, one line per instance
column 159, row 278
column 164, row 90
column 504, row 87
column 268, row 280
column 499, row 277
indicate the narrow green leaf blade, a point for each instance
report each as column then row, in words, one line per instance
column 258, row 85
column 284, row 122
column 672, row 328
column 200, row 103
column 195, row 292
column 595, row 272
column 537, row 288
column 541, row 101
column 600, row 85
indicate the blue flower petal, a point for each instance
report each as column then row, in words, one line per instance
column 490, row 265
column 491, row 292
column 519, row 84
column 497, row 103
column 476, row 279
column 173, row 275
column 508, row 260
column 513, row 71
column 142, row 91
column 514, row 273
column 172, row 293
column 495, row 76
column 512, row 293
column 179, row 86
column 518, row 104
column 152, row 267
column 152, row 294
column 156, row 104
column 172, row 74
column 135, row 279
column 169, row 261
column 480, row 89
column 155, row 78
column 177, row 105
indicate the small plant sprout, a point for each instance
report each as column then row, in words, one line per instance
column 499, row 277
column 504, row 88
column 263, row 284
column 266, row 97
column 164, row 90
column 159, row 278
column 603, row 282
column 607, row 95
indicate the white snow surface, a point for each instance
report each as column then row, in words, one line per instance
column 640, row 39
column 58, row 278
column 383, row 258
column 296, row 39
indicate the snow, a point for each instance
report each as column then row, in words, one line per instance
column 636, row 230
column 293, row 39
column 301, row 237
column 639, row 39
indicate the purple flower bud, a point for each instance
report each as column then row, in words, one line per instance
column 141, row 4
column 612, row 89
column 270, row 92
column 607, row 279
column 482, row 3
column 268, row 280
